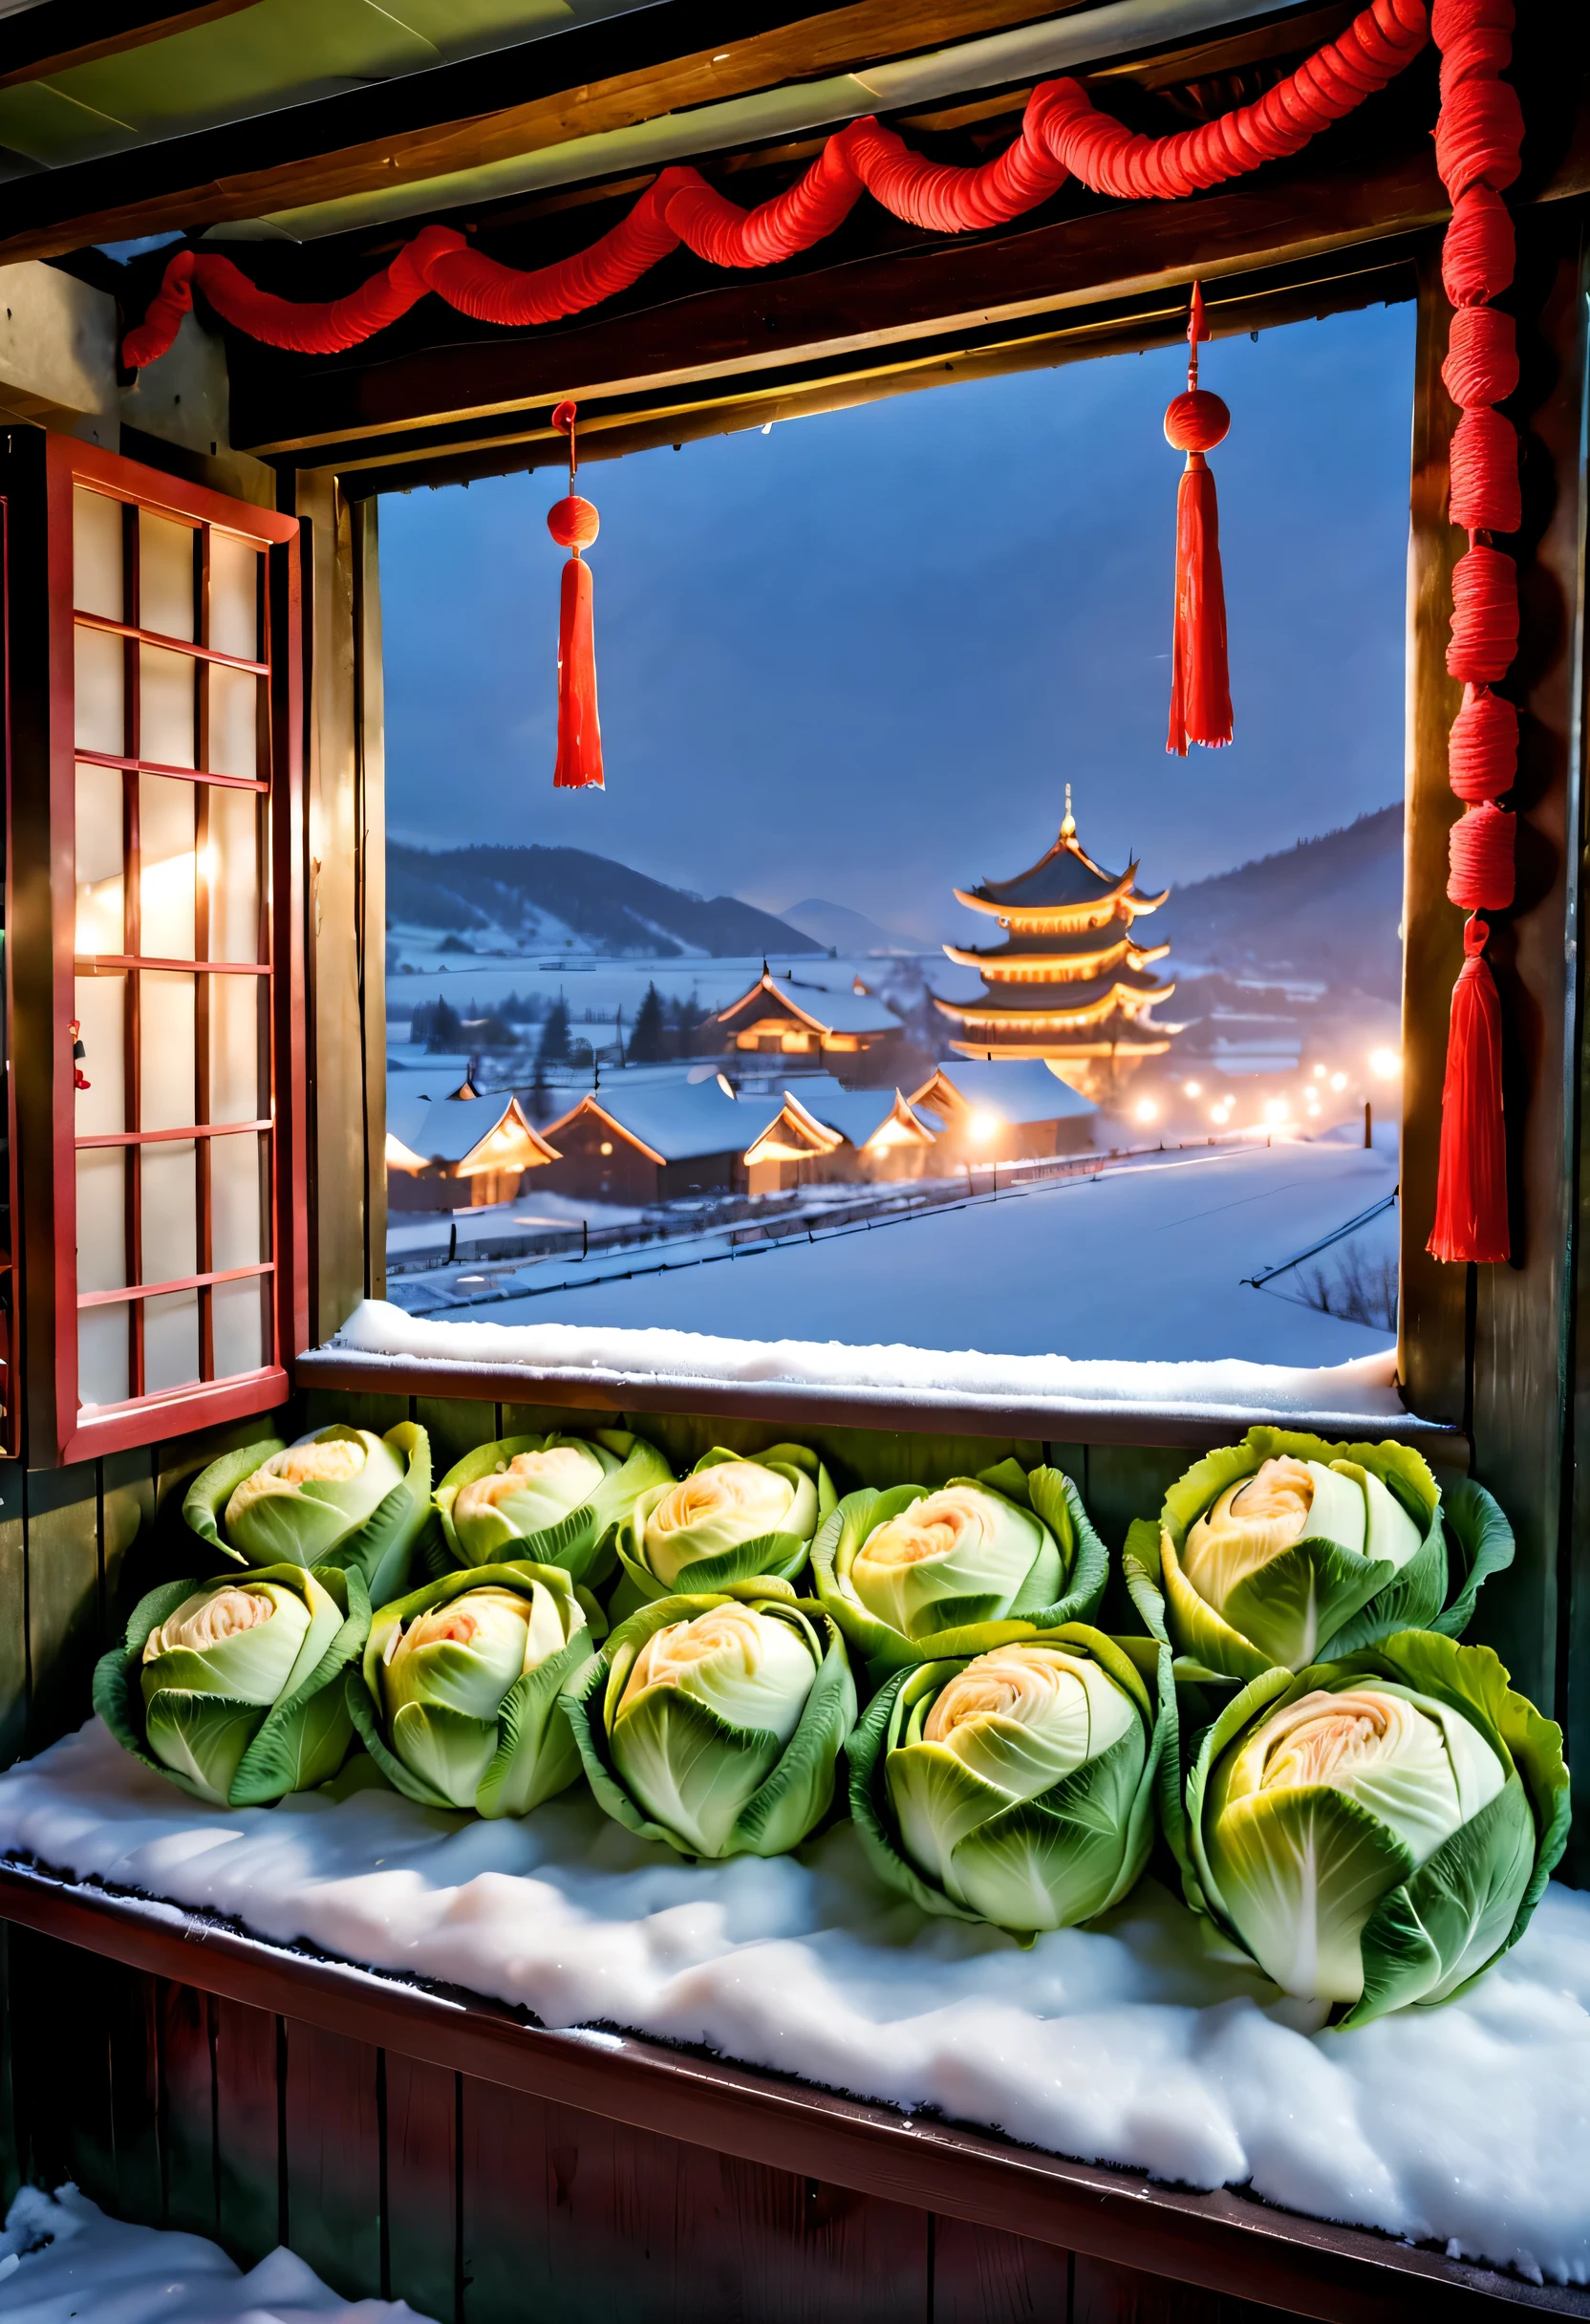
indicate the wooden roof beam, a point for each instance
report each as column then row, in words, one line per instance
column 653, row 59
column 54, row 36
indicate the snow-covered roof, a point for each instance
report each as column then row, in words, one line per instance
column 675, row 1121
column 857, row 1114
column 450, row 1129
column 829, row 1008
column 1019, row 1090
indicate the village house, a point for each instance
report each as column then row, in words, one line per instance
column 461, row 1151
column 655, row 1140
column 834, row 1027
column 827, row 1135
column 1013, row 1110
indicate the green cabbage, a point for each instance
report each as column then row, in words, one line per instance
column 914, row 1575
column 734, row 1517
column 458, row 1699
column 713, row 1721
column 1283, row 1550
column 1376, row 1830
column 343, row 1497
column 1019, row 1786
column 551, row 1500
column 232, row 1687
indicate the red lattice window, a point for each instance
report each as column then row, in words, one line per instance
column 175, row 772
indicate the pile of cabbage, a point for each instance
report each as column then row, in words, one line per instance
column 1265, row 1694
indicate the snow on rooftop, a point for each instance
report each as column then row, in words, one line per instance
column 1017, row 1089
column 60, row 2257
column 1144, row 2042
column 682, row 1119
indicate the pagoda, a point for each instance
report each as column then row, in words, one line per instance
column 1071, row 982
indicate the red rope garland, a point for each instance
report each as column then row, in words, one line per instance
column 1476, row 151
column 1062, row 136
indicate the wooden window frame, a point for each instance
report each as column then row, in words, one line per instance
column 80, row 1432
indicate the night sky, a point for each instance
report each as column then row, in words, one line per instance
column 859, row 657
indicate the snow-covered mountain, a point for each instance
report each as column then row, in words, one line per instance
column 1329, row 909
column 839, row 929
column 528, row 899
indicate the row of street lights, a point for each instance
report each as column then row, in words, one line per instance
column 1385, row 1065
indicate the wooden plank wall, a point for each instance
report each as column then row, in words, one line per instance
column 76, row 1547
column 478, row 2205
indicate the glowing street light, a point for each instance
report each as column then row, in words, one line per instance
column 1146, row 1110
column 1275, row 1110
column 1385, row 1065
column 1192, row 1089
column 1339, row 1081
column 981, row 1127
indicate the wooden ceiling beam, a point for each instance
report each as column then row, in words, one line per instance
column 56, row 34
column 653, row 59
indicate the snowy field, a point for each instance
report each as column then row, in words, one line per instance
column 60, row 2258
column 1144, row 2042
column 1134, row 1265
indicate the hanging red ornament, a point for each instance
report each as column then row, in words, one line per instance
column 573, row 524
column 1200, row 685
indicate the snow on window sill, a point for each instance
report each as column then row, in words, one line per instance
column 380, row 1346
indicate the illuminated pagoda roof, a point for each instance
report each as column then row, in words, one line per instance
column 1065, row 889
column 1070, row 984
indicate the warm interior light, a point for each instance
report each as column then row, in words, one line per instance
column 1192, row 1089
column 1146, row 1110
column 1385, row 1065
column 1275, row 1110
column 606, row 1147
column 981, row 1127
column 1339, row 1081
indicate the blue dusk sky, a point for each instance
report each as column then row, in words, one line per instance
column 860, row 656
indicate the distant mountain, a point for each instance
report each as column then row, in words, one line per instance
column 1328, row 909
column 841, row 930
column 535, row 896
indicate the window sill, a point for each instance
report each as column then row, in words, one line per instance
column 381, row 1350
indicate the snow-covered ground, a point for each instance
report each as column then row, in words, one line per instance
column 61, row 2257
column 1146, row 2041
column 1135, row 1265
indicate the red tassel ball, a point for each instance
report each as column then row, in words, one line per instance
column 1479, row 848
column 1482, row 357
column 1197, row 421
column 1485, row 617
column 1478, row 255
column 1482, row 749
column 574, row 522
column 1484, row 495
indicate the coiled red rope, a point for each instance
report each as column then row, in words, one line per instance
column 1478, row 141
column 1062, row 136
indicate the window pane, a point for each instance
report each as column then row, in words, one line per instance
column 100, row 1005
column 164, row 708
column 101, row 925
column 166, row 1049
column 235, row 709
column 102, row 1218
column 164, row 576
column 170, row 1211
column 102, row 1355
column 235, row 1092
column 233, row 868
column 237, row 1320
column 166, row 841
column 234, row 596
column 170, row 1341
column 97, row 554
column 236, row 1219
column 100, row 692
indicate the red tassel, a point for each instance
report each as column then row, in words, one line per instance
column 1200, row 685
column 573, row 524
column 1470, row 1195
column 579, row 764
